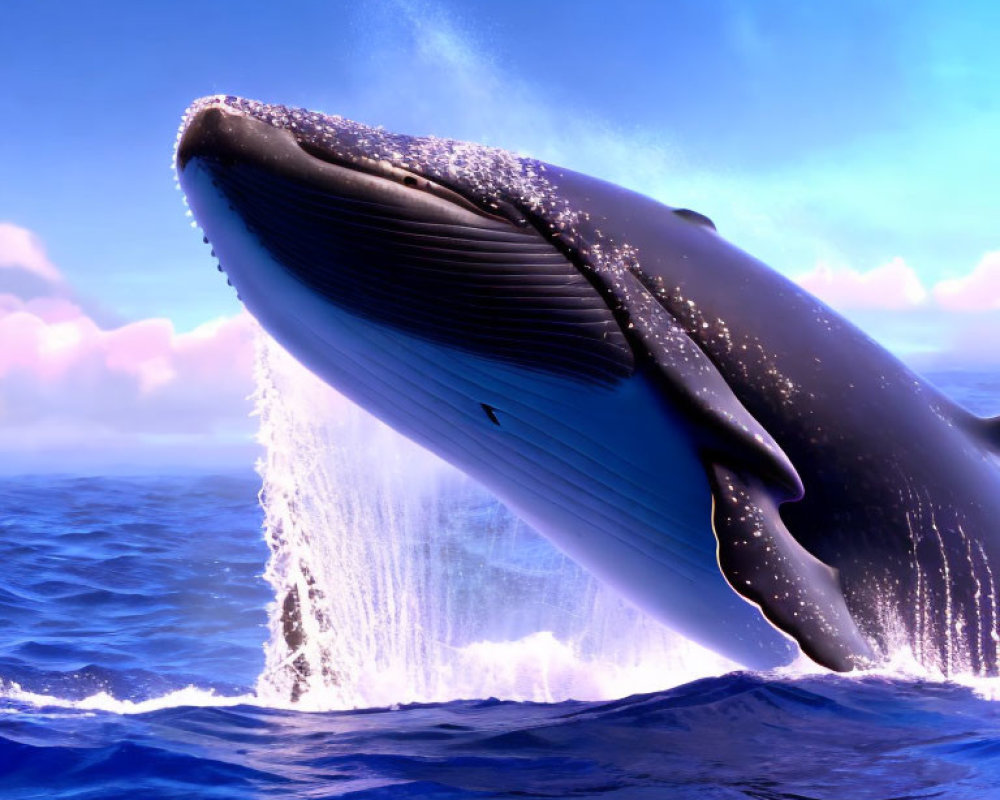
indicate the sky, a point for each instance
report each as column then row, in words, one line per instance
column 852, row 146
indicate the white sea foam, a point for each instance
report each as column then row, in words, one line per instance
column 901, row 664
column 103, row 701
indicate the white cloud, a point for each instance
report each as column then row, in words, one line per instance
column 953, row 323
column 894, row 286
column 977, row 291
column 68, row 384
column 144, row 376
column 21, row 249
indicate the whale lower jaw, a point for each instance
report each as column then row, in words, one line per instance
column 573, row 459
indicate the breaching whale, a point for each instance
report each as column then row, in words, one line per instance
column 703, row 435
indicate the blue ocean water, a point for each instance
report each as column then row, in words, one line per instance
column 133, row 615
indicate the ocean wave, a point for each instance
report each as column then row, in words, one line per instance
column 14, row 699
column 735, row 736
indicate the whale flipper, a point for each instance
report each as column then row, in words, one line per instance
column 798, row 593
column 750, row 476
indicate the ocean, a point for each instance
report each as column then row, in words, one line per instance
column 436, row 648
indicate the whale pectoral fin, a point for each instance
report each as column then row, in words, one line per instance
column 763, row 562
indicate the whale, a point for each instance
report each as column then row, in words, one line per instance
column 704, row 436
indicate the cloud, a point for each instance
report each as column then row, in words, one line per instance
column 977, row 291
column 894, row 286
column 68, row 383
column 144, row 376
column 951, row 324
column 21, row 249
column 25, row 270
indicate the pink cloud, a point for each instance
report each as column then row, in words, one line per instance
column 21, row 249
column 144, row 350
column 144, row 375
column 894, row 286
column 977, row 291
column 69, row 385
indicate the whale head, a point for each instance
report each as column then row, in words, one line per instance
column 446, row 241
column 469, row 247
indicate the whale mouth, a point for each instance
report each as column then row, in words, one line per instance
column 212, row 131
column 393, row 246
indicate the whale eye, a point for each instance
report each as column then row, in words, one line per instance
column 491, row 413
column 493, row 209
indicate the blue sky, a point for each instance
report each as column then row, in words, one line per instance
column 839, row 137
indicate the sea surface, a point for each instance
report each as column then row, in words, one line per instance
column 134, row 636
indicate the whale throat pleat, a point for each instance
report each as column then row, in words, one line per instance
column 467, row 280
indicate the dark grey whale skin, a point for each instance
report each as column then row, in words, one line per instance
column 853, row 503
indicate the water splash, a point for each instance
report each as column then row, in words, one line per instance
column 947, row 625
column 397, row 579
